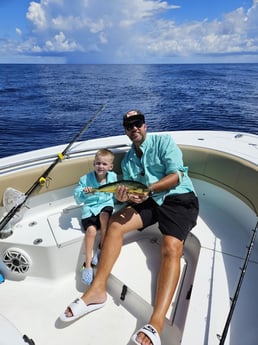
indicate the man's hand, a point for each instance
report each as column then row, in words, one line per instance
column 122, row 195
column 137, row 198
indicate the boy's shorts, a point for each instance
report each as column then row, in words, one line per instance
column 176, row 216
column 94, row 220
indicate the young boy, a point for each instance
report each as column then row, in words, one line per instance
column 97, row 207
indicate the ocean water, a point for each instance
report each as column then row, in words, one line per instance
column 46, row 105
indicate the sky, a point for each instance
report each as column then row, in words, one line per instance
column 128, row 31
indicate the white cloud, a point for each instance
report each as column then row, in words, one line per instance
column 103, row 38
column 132, row 31
column 235, row 33
column 60, row 44
column 71, row 24
column 36, row 14
column 137, row 10
column 18, row 31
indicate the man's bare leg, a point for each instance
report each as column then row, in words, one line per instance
column 104, row 218
column 172, row 249
column 121, row 223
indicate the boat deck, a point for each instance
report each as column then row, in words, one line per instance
column 52, row 246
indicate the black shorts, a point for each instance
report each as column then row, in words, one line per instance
column 94, row 220
column 176, row 216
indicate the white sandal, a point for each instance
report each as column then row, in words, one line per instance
column 150, row 332
column 79, row 309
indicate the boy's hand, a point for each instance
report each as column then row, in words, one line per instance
column 87, row 190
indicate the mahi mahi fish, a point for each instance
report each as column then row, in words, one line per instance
column 132, row 186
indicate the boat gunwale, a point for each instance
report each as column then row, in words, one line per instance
column 229, row 171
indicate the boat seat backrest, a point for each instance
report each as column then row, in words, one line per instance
column 236, row 175
column 66, row 173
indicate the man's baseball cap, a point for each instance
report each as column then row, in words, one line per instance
column 132, row 116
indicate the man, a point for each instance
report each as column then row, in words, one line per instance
column 156, row 161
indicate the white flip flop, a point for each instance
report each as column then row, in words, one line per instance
column 150, row 332
column 79, row 308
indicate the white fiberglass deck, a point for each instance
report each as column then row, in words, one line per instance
column 215, row 249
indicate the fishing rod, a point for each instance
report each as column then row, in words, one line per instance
column 42, row 179
column 234, row 300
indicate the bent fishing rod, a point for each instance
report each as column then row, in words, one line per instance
column 42, row 179
column 222, row 338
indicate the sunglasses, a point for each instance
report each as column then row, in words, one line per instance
column 137, row 123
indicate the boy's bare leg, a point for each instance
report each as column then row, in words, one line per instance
column 89, row 240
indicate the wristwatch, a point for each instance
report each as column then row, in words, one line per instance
column 151, row 191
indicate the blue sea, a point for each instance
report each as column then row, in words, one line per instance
column 46, row 105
